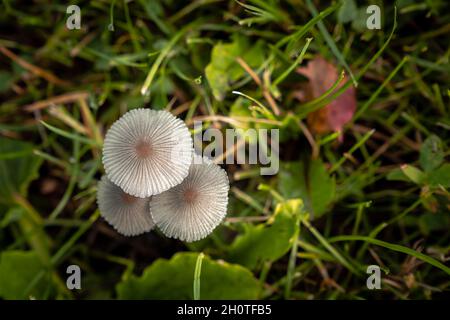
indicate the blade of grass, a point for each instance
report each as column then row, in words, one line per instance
column 61, row 114
column 329, row 40
column 90, row 122
column 131, row 30
column 111, row 16
column 197, row 274
column 31, row 225
column 364, row 69
column 69, row 135
column 264, row 109
column 50, row 77
column 118, row 60
column 383, row 225
column 162, row 55
column 310, row 106
column 329, row 247
column 73, row 179
column 189, row 8
column 296, row 36
column 248, row 199
column 62, row 251
column 51, row 159
column 314, row 250
column 352, row 149
column 292, row 262
column 379, row 89
column 394, row 247
column 297, row 61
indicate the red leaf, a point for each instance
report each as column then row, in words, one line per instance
column 322, row 75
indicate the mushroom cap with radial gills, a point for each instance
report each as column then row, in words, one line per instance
column 147, row 152
column 193, row 209
column 129, row 215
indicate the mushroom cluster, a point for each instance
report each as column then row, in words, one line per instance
column 154, row 178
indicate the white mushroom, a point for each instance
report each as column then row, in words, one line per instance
column 191, row 210
column 129, row 215
column 147, row 152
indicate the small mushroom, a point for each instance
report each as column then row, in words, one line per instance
column 191, row 210
column 147, row 152
column 129, row 215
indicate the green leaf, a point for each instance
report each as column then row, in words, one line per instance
column 347, row 12
column 431, row 153
column 359, row 21
column 414, row 174
column 12, row 215
column 313, row 185
column 223, row 68
column 174, row 278
column 18, row 167
column 397, row 175
column 17, row 271
column 269, row 241
column 440, row 176
column 430, row 222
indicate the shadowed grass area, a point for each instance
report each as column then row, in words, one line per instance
column 374, row 192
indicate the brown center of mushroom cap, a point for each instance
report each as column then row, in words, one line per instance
column 128, row 199
column 143, row 149
column 190, row 195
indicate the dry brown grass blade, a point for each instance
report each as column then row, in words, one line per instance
column 266, row 93
column 247, row 219
column 181, row 108
column 60, row 114
column 89, row 122
column 50, row 77
column 62, row 99
column 240, row 143
column 237, row 121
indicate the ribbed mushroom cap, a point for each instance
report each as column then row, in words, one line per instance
column 191, row 210
column 129, row 215
column 147, row 152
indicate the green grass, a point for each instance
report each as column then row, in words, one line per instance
column 60, row 90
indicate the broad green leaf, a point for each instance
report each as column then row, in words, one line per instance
column 397, row 175
column 347, row 12
column 430, row 222
column 223, row 68
column 17, row 271
column 359, row 21
column 311, row 183
column 269, row 241
column 414, row 174
column 174, row 278
column 18, row 167
column 431, row 153
column 440, row 176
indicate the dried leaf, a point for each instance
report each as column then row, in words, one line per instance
column 322, row 75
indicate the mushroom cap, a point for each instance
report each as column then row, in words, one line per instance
column 147, row 152
column 129, row 215
column 193, row 209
